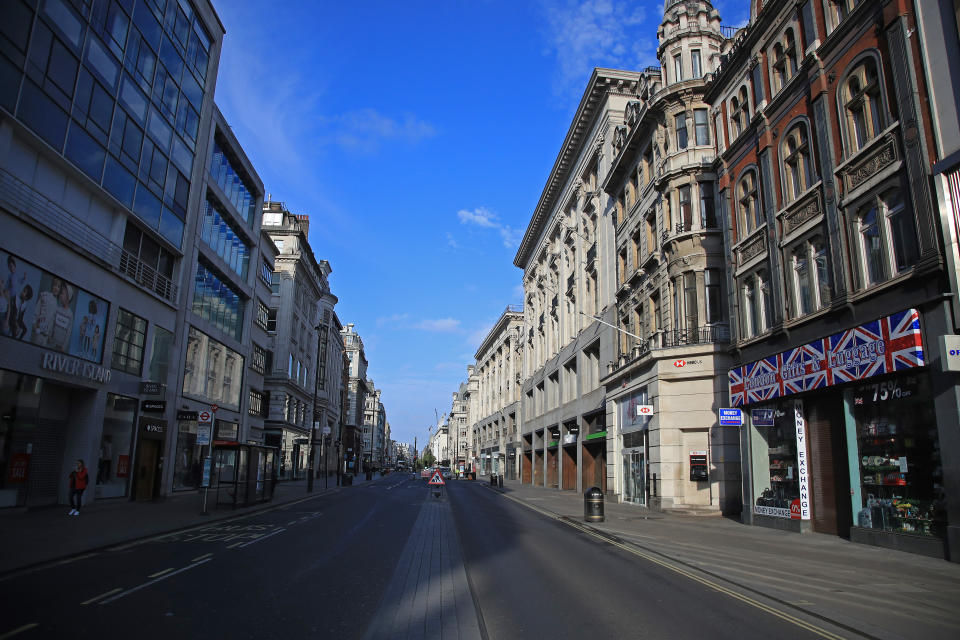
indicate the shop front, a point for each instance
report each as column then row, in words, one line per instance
column 634, row 415
column 841, row 438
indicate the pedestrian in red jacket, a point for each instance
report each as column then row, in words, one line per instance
column 78, row 482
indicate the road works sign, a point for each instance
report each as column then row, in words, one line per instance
column 436, row 478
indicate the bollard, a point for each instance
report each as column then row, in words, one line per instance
column 593, row 505
column 500, row 481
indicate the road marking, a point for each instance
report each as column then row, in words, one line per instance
column 247, row 544
column 154, row 581
column 198, row 558
column 102, row 595
column 160, row 573
column 26, row 627
column 676, row 569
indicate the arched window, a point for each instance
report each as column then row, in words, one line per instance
column 795, row 153
column 861, row 104
column 779, row 67
column 748, row 203
column 740, row 111
column 809, row 277
column 790, row 50
column 755, row 303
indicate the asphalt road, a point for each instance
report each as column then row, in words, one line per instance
column 320, row 568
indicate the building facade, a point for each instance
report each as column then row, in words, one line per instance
column 837, row 275
column 216, row 330
column 496, row 426
column 356, row 398
column 671, row 358
column 569, row 283
column 100, row 214
column 294, row 318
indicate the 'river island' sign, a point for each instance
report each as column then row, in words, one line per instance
column 74, row 367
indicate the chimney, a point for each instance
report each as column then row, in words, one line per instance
column 304, row 221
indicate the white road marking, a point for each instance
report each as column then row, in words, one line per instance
column 154, row 581
column 102, row 595
column 247, row 544
column 206, row 555
column 26, row 627
column 160, row 573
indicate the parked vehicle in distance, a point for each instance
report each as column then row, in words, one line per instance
column 446, row 473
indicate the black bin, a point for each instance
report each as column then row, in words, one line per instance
column 593, row 505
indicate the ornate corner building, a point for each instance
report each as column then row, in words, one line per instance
column 837, row 281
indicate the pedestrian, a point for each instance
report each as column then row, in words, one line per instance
column 78, row 482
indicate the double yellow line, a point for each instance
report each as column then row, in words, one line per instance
column 812, row 628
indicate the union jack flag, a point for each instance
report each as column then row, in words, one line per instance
column 735, row 381
column 904, row 341
column 792, row 366
column 883, row 346
column 819, row 374
column 762, row 380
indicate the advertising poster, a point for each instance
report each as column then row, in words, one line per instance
column 19, row 289
column 89, row 325
column 44, row 309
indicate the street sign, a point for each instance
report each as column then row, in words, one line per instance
column 203, row 432
column 731, row 417
column 437, row 478
column 644, row 409
column 326, row 430
column 203, row 416
column 151, row 388
column 214, row 408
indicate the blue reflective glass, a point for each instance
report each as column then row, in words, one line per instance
column 85, row 152
column 147, row 207
column 171, row 227
column 118, row 181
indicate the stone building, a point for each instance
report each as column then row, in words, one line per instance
column 294, row 317
column 669, row 376
column 837, row 276
column 569, row 281
column 356, row 397
column 498, row 362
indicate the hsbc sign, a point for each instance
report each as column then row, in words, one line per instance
column 644, row 410
column 679, row 364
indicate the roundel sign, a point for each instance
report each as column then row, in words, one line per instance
column 203, row 416
column 679, row 363
column 644, row 410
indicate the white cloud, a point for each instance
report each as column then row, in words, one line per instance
column 364, row 130
column 397, row 318
column 439, row 325
column 486, row 219
column 451, row 241
column 583, row 34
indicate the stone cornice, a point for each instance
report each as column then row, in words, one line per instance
column 603, row 82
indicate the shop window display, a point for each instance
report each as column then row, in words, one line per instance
column 776, row 469
column 898, row 455
column 113, row 465
column 186, row 471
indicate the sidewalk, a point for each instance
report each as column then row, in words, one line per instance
column 870, row 590
column 45, row 534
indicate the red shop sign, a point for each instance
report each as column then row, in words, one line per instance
column 19, row 469
column 123, row 466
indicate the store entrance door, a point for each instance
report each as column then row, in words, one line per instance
column 594, row 472
column 634, row 477
column 147, row 458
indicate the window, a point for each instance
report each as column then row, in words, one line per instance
column 711, row 296
column 701, row 125
column 678, row 67
column 128, row 342
column 739, row 112
column 862, row 112
column 748, row 203
column 290, row 367
column 272, row 320
column 266, row 273
column 680, row 121
column 836, row 11
column 685, row 210
column 690, row 315
column 695, row 63
column 650, row 223
column 886, row 238
column 708, row 215
column 263, row 315
column 256, row 405
column 755, row 313
column 160, row 354
column 217, row 303
column 796, row 163
column 259, row 360
column 810, row 277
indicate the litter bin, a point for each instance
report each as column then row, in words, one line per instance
column 347, row 479
column 369, row 475
column 593, row 505
column 500, row 481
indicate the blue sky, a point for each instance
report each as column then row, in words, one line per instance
column 418, row 137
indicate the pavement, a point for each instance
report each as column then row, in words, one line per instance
column 867, row 590
column 42, row 535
